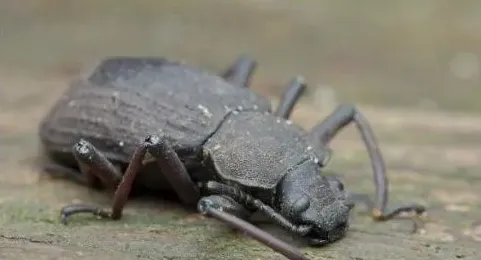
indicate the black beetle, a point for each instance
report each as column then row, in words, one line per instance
column 164, row 125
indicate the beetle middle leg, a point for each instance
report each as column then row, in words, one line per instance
column 325, row 131
column 240, row 72
column 291, row 95
column 169, row 164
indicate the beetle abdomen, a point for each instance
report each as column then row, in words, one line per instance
column 126, row 99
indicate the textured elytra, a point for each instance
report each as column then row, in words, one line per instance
column 257, row 150
column 126, row 99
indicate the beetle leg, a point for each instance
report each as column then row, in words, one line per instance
column 325, row 131
column 93, row 164
column 291, row 95
column 362, row 198
column 170, row 166
column 240, row 72
column 231, row 213
column 173, row 169
column 253, row 204
column 226, row 204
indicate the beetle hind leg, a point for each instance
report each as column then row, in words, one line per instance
column 240, row 72
column 93, row 163
column 94, row 167
column 325, row 131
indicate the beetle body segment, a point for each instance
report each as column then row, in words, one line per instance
column 256, row 150
column 126, row 99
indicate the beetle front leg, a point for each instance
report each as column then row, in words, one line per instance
column 226, row 210
column 325, row 131
column 170, row 165
column 225, row 204
column 254, row 204
column 240, row 72
column 291, row 95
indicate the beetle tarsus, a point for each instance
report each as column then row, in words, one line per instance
column 325, row 131
column 240, row 72
column 388, row 214
column 291, row 95
column 73, row 209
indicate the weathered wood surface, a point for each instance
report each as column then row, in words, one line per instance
column 404, row 53
column 426, row 164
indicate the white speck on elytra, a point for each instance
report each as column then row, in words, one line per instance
column 204, row 110
column 121, row 143
column 289, row 122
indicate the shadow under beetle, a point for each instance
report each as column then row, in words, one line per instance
column 164, row 125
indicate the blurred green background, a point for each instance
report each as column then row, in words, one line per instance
column 393, row 53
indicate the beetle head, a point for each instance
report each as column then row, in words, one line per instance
column 307, row 198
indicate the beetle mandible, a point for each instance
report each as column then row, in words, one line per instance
column 153, row 123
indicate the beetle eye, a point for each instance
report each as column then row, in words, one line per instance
column 301, row 204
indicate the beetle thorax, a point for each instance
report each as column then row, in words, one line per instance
column 256, row 150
